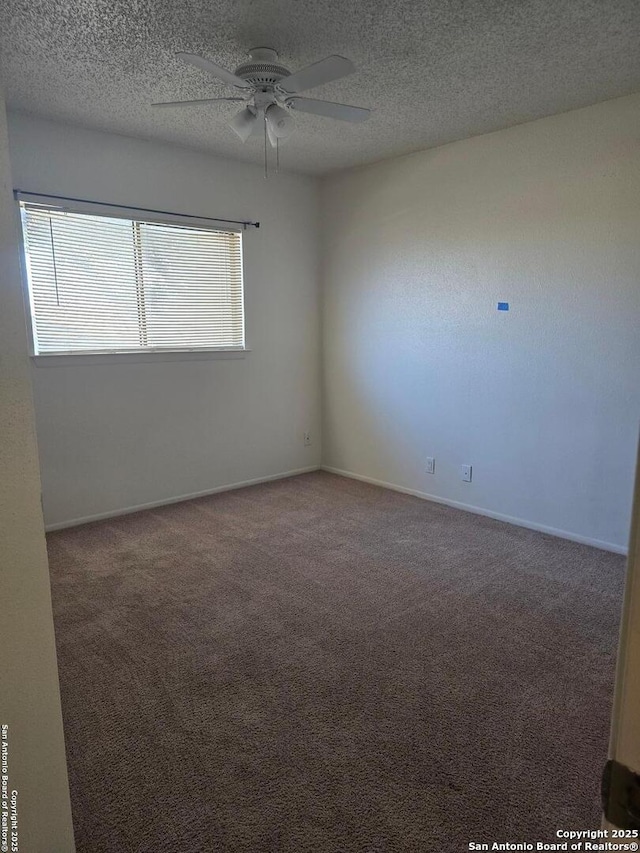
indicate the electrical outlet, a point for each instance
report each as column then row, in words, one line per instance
column 431, row 465
column 465, row 472
column 307, row 439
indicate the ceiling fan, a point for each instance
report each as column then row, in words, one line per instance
column 271, row 92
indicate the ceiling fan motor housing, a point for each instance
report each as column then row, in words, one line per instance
column 262, row 71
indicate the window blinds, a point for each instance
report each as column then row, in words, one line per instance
column 105, row 284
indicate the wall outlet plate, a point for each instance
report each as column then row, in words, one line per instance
column 431, row 465
column 306, row 436
column 465, row 473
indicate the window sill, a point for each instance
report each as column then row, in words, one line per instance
column 85, row 359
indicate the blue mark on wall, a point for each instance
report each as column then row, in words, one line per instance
column 503, row 306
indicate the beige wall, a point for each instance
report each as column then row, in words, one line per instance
column 543, row 400
column 29, row 696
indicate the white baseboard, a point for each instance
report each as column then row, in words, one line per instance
column 519, row 522
column 74, row 522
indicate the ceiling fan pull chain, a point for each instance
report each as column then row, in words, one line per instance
column 277, row 155
column 266, row 175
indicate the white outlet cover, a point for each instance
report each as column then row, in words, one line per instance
column 466, row 472
column 431, row 465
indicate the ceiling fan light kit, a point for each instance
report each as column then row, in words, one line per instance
column 279, row 121
column 244, row 123
column 270, row 93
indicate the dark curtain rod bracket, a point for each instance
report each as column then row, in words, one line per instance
column 245, row 223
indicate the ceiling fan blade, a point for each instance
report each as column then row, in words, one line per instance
column 343, row 112
column 324, row 71
column 215, row 70
column 193, row 103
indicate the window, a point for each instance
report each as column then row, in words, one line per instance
column 107, row 284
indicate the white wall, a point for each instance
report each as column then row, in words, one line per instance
column 113, row 436
column 29, row 694
column 543, row 401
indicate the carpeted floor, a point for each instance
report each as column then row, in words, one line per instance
column 316, row 665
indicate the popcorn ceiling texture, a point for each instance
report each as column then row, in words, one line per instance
column 434, row 72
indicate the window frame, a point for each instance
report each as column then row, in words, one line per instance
column 114, row 356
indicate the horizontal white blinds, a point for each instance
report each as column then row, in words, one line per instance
column 104, row 284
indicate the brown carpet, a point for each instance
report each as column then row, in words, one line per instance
column 317, row 665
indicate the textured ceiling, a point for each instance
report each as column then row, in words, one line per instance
column 432, row 71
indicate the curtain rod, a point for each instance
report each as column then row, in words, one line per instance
column 245, row 223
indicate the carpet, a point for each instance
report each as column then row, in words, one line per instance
column 318, row 665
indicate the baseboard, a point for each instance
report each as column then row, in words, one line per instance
column 101, row 516
column 519, row 522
